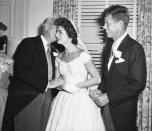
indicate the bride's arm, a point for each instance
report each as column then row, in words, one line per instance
column 94, row 79
column 58, row 81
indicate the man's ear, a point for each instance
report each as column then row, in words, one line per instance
column 46, row 26
column 121, row 23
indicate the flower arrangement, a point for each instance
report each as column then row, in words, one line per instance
column 118, row 55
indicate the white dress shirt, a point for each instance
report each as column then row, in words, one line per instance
column 45, row 44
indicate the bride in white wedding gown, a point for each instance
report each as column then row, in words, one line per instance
column 72, row 108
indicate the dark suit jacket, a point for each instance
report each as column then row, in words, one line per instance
column 3, row 40
column 123, row 83
column 30, row 75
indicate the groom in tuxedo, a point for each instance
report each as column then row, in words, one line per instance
column 29, row 97
column 124, row 71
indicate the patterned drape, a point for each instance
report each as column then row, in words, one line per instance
column 65, row 8
column 144, row 36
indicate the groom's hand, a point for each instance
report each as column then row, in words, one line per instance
column 99, row 98
column 102, row 100
column 94, row 93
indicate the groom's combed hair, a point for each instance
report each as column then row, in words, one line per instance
column 118, row 12
column 69, row 28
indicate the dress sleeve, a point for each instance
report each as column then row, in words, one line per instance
column 85, row 57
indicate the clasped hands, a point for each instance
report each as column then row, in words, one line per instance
column 101, row 99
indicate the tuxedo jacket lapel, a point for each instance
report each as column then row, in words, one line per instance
column 123, row 48
column 41, row 53
column 111, row 67
column 124, row 45
column 106, row 56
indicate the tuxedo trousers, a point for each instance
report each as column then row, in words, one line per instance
column 34, row 116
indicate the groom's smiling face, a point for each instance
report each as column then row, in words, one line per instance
column 111, row 26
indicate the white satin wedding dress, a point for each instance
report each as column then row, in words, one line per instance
column 73, row 110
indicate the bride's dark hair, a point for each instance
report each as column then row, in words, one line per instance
column 67, row 25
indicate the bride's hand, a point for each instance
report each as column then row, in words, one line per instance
column 94, row 93
column 56, row 82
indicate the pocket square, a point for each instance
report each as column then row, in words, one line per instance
column 120, row 60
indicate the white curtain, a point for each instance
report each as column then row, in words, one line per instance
column 19, row 17
column 144, row 36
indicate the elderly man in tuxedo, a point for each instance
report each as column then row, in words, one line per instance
column 29, row 97
column 124, row 72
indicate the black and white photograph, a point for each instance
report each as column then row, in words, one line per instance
column 75, row 65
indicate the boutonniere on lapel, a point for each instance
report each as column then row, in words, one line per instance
column 118, row 56
column 55, row 54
